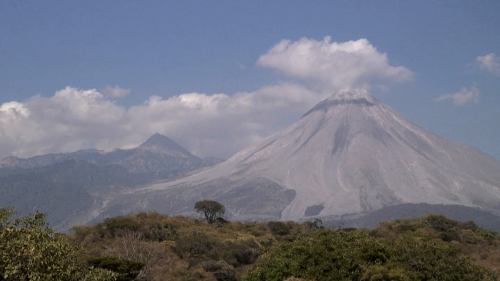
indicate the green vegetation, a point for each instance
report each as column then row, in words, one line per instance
column 278, row 228
column 154, row 247
column 357, row 255
column 125, row 270
column 431, row 248
column 212, row 210
column 180, row 248
column 30, row 250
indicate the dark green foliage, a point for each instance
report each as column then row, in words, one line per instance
column 212, row 210
column 384, row 273
column 448, row 230
column 225, row 275
column 315, row 224
column 440, row 223
column 435, row 260
column 147, row 225
column 356, row 255
column 195, row 244
column 221, row 270
column 238, row 253
column 159, row 231
column 126, row 270
column 406, row 227
column 212, row 266
column 470, row 225
column 278, row 228
column 221, row 221
column 179, row 248
column 444, row 229
column 318, row 224
column 244, row 252
column 199, row 246
column 118, row 225
column 30, row 250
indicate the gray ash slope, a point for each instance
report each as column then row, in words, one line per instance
column 350, row 154
column 71, row 187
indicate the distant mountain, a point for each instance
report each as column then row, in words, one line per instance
column 164, row 145
column 70, row 186
column 48, row 159
column 373, row 219
column 350, row 154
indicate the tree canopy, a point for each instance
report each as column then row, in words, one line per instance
column 31, row 250
column 210, row 209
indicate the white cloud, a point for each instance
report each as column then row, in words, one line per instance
column 489, row 62
column 335, row 65
column 13, row 109
column 115, row 92
column 208, row 124
column 461, row 97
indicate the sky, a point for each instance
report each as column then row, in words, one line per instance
column 217, row 76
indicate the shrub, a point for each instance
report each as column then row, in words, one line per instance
column 355, row 255
column 406, row 227
column 160, row 231
column 244, row 252
column 384, row 273
column 225, row 275
column 126, row 270
column 194, row 244
column 131, row 246
column 116, row 226
column 212, row 266
column 237, row 253
column 278, row 228
column 440, row 223
column 221, row 221
column 221, row 270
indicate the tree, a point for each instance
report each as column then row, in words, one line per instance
column 31, row 250
column 210, row 209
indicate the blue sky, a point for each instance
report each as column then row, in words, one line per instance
column 167, row 48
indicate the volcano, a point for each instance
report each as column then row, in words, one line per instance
column 349, row 154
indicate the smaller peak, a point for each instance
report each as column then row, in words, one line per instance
column 157, row 137
column 161, row 142
column 157, row 140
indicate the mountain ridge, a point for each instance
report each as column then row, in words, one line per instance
column 350, row 154
column 155, row 143
column 82, row 180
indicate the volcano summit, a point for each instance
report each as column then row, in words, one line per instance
column 349, row 154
